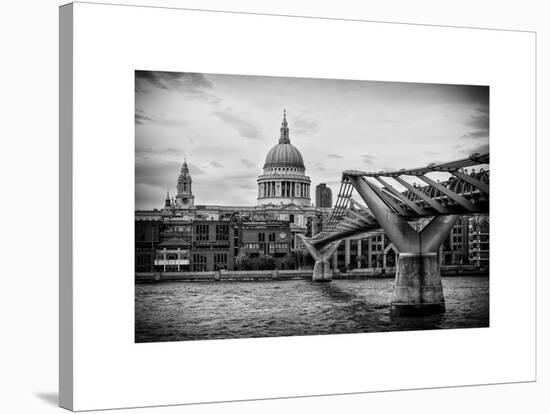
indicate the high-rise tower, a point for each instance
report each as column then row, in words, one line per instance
column 323, row 196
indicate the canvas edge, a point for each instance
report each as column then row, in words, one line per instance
column 66, row 75
column 66, row 398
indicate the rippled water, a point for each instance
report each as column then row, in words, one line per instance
column 179, row 311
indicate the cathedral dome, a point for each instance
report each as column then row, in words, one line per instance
column 284, row 179
column 284, row 155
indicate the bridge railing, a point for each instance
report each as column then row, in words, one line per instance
column 339, row 209
column 454, row 184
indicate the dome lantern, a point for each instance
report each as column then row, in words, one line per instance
column 285, row 137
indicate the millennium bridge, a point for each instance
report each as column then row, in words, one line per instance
column 417, row 220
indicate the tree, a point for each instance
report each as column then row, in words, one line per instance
column 266, row 262
column 243, row 262
column 298, row 257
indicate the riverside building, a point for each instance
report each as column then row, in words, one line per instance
column 184, row 236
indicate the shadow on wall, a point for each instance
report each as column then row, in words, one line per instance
column 51, row 398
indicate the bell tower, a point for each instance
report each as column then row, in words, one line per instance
column 185, row 197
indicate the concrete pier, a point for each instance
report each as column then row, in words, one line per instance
column 417, row 289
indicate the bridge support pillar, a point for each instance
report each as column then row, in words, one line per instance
column 417, row 289
column 321, row 270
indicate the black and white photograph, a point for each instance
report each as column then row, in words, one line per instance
column 279, row 206
column 275, row 206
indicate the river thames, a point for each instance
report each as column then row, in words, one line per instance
column 180, row 311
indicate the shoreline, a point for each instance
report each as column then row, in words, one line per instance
column 282, row 275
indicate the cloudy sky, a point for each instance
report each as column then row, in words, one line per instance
column 225, row 125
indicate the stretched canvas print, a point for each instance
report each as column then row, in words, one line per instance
column 256, row 206
column 278, row 206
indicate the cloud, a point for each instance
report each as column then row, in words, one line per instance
column 304, row 125
column 211, row 188
column 480, row 124
column 471, row 93
column 148, row 151
column 194, row 84
column 171, row 122
column 157, row 174
column 247, row 163
column 383, row 123
column 482, row 149
column 160, row 173
column 388, row 121
column 173, row 80
column 247, row 185
column 368, row 159
column 150, row 196
column 142, row 118
column 245, row 127
column 476, row 134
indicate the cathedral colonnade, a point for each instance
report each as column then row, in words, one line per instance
column 284, row 188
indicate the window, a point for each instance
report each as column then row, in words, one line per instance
column 220, row 261
column 261, row 237
column 271, row 237
column 143, row 262
column 292, row 218
column 222, row 232
column 202, row 232
column 199, row 263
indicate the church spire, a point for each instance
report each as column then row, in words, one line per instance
column 184, row 168
column 285, row 138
